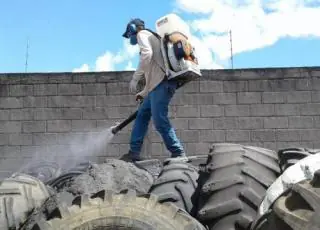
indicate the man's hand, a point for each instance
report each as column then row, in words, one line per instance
column 133, row 86
column 139, row 97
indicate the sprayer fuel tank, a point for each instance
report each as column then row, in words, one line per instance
column 179, row 53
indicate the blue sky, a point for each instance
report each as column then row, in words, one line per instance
column 66, row 35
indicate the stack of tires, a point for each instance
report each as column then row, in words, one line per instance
column 222, row 190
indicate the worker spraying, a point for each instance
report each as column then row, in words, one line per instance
column 162, row 78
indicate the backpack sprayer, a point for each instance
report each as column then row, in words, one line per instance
column 179, row 55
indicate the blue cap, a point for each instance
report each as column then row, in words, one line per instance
column 136, row 22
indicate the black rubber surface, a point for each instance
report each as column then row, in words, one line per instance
column 290, row 156
column 177, row 183
column 236, row 181
column 296, row 209
column 127, row 210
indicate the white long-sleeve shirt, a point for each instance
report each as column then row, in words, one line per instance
column 151, row 63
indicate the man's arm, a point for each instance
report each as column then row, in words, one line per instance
column 145, row 49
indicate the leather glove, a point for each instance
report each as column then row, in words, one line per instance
column 133, row 85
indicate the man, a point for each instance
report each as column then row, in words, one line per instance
column 156, row 94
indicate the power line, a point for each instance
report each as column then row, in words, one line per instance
column 27, row 56
column 231, row 57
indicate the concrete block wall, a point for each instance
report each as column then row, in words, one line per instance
column 61, row 116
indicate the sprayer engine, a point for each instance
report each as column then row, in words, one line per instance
column 179, row 54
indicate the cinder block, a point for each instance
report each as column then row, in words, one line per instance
column 21, row 90
column 118, row 88
column 309, row 135
column 249, row 97
column 303, row 122
column 192, row 99
column 299, row 96
column 316, row 83
column 128, row 100
column 57, row 113
column 4, row 139
column 190, row 136
column 108, row 100
column 235, row 86
column 273, row 97
column 288, row 135
column 34, row 126
column 310, row 109
column 57, row 126
column 287, row 109
column 272, row 85
column 21, row 114
column 212, row 136
column 7, row 152
column 201, row 123
column 237, row 110
column 315, row 96
column 197, row 148
column 179, row 123
column 11, row 102
column 84, row 125
column 95, row 113
column 303, row 84
column 120, row 112
column 276, row 122
column 316, row 122
column 262, row 110
column 237, row 135
column 211, row 111
column 211, row 86
column 224, row 98
column 10, row 126
column 45, row 139
column 60, row 78
column 45, row 89
column 4, row 90
column 4, row 114
column 188, row 111
column 263, row 135
column 250, row 122
column 12, row 164
column 190, row 87
column 83, row 78
column 34, row 102
column 225, row 123
column 94, row 89
column 69, row 89
column 20, row 139
column 71, row 101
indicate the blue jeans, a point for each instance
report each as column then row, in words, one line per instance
column 156, row 104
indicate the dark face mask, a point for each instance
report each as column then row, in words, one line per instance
column 133, row 39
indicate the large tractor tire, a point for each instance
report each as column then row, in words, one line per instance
column 236, row 181
column 296, row 209
column 63, row 182
column 43, row 170
column 177, row 183
column 19, row 195
column 290, row 156
column 125, row 210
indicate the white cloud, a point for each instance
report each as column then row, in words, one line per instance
column 83, row 68
column 255, row 24
column 109, row 60
column 129, row 66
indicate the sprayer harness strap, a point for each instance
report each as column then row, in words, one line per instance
column 158, row 36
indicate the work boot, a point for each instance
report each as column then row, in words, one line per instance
column 130, row 158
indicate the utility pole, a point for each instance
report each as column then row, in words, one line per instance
column 230, row 34
column 27, row 56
